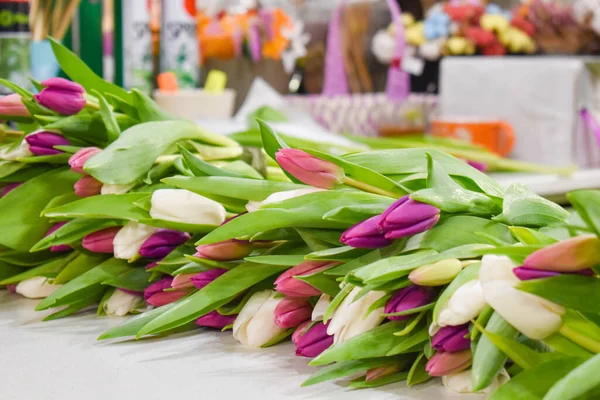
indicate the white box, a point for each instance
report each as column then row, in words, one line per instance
column 540, row 96
column 195, row 104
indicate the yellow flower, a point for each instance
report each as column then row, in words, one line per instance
column 414, row 34
column 458, row 46
column 517, row 41
column 494, row 23
column 408, row 19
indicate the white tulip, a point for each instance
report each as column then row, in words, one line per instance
column 19, row 152
column 533, row 316
column 320, row 307
column 255, row 325
column 280, row 196
column 180, row 205
column 129, row 239
column 121, row 303
column 462, row 382
column 36, row 288
column 350, row 318
column 466, row 303
column 115, row 189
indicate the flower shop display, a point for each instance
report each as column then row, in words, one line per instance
column 381, row 265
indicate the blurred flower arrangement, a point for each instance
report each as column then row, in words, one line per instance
column 263, row 33
column 467, row 27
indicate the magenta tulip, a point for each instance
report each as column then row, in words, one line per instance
column 452, row 339
column 407, row 299
column 61, row 95
column 204, row 278
column 291, row 312
column 215, row 320
column 287, row 284
column 42, row 143
column 313, row 342
column 157, row 297
column 162, row 242
column 366, row 235
column 101, row 241
column 407, row 217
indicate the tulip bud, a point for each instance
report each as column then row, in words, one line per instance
column 350, row 318
column 279, row 197
column 204, row 278
column 376, row 373
column 87, row 186
column 463, row 383
column 571, row 255
column 180, row 205
column 108, row 188
column 62, row 247
column 309, row 169
column 255, row 325
column 63, row 96
column 122, row 302
column 526, row 274
column 312, row 342
column 408, row 298
column 366, row 235
column 183, row 281
column 77, row 160
column 292, row 311
column 229, row 250
column 287, row 284
column 101, row 241
column 478, row 165
column 157, row 297
column 407, row 217
column 42, row 143
column 162, row 242
column 444, row 363
column 451, row 339
column 36, row 288
column 11, row 288
column 6, row 189
column 12, row 106
column 129, row 239
column 466, row 303
column 436, row 274
column 215, row 320
column 319, row 310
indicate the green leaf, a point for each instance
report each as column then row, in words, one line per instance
column 303, row 212
column 289, row 260
column 122, row 105
column 516, row 252
column 586, row 203
column 239, row 188
column 488, row 360
column 324, row 283
column 579, row 381
column 25, row 94
column 148, row 110
column 89, row 128
column 384, row 380
column 529, row 236
column 364, row 175
column 272, row 143
column 112, row 127
column 77, row 288
column 78, row 266
column 214, row 295
column 91, row 297
column 344, row 253
column 239, row 167
column 78, row 71
column 136, row 279
column 48, row 269
column 447, row 195
column 202, row 168
column 565, row 346
column 336, row 301
column 178, row 226
column 468, row 274
column 8, row 270
column 374, row 343
column 367, row 259
column 322, row 235
column 132, row 326
column 56, row 159
column 131, row 156
column 410, row 161
column 109, row 206
column 534, row 383
column 409, row 342
column 417, row 373
column 72, row 231
column 26, row 259
column 523, row 207
column 21, row 226
column 345, row 368
column 581, row 293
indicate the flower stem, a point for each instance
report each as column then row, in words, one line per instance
column 365, row 187
column 409, row 328
column 579, row 338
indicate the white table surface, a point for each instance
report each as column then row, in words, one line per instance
column 62, row 360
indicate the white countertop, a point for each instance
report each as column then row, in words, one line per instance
column 61, row 360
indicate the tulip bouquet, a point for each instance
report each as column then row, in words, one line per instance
column 398, row 265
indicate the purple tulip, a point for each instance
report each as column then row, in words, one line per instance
column 292, row 311
column 313, row 342
column 407, row 217
column 157, row 297
column 6, row 189
column 61, row 95
column 408, row 298
column 101, row 241
column 60, row 248
column 451, row 339
column 78, row 159
column 366, row 235
column 204, row 278
column 132, row 292
column 527, row 274
column 42, row 143
column 215, row 320
column 151, row 265
column 478, row 165
column 162, row 243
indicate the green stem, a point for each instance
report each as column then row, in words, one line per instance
column 365, row 187
column 579, row 338
column 410, row 327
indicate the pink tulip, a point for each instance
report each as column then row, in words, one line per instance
column 290, row 286
column 88, row 186
column 309, row 169
column 571, row 255
column 12, row 106
column 445, row 363
column 78, row 159
column 101, row 241
column 291, row 312
column 157, row 297
column 229, row 250
column 215, row 320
